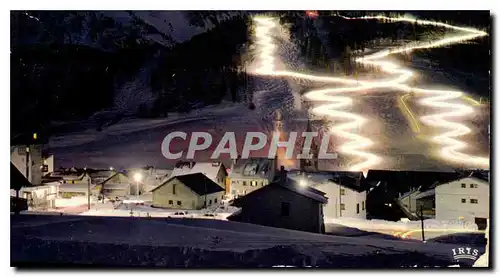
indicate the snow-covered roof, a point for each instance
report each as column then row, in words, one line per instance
column 291, row 185
column 116, row 186
column 197, row 182
column 251, row 167
column 209, row 169
column 426, row 193
column 35, row 188
column 105, row 173
column 482, row 175
column 305, row 191
column 69, row 175
column 406, row 194
column 75, row 187
column 347, row 179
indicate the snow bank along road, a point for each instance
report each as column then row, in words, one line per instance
column 203, row 243
column 448, row 122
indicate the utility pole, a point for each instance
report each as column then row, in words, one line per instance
column 422, row 221
column 205, row 185
column 88, row 191
column 28, row 162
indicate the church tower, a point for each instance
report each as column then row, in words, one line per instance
column 310, row 164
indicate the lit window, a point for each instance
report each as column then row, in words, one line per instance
column 473, row 201
column 342, row 207
column 463, row 200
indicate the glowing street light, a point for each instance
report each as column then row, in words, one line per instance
column 111, row 168
column 137, row 178
column 303, row 183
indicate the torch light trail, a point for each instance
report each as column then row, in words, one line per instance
column 356, row 145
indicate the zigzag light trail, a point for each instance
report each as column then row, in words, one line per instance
column 357, row 144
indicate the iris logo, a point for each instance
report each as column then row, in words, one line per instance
column 468, row 253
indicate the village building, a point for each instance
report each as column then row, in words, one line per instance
column 28, row 160
column 75, row 190
column 409, row 201
column 97, row 176
column 71, row 176
column 419, row 202
column 466, row 198
column 392, row 194
column 345, row 191
column 36, row 197
column 119, row 185
column 150, row 176
column 247, row 175
column 191, row 191
column 283, row 203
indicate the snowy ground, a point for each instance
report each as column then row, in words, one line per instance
column 136, row 210
column 406, row 229
column 203, row 243
column 336, row 226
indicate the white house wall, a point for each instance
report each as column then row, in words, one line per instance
column 237, row 187
column 350, row 199
column 18, row 158
column 450, row 207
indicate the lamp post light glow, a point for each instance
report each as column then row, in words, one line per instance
column 137, row 178
column 303, row 183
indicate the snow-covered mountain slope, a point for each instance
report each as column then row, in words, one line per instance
column 182, row 25
column 121, row 47
column 113, row 30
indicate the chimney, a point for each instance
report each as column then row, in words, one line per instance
column 282, row 175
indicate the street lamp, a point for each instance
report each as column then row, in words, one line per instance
column 137, row 178
column 302, row 183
